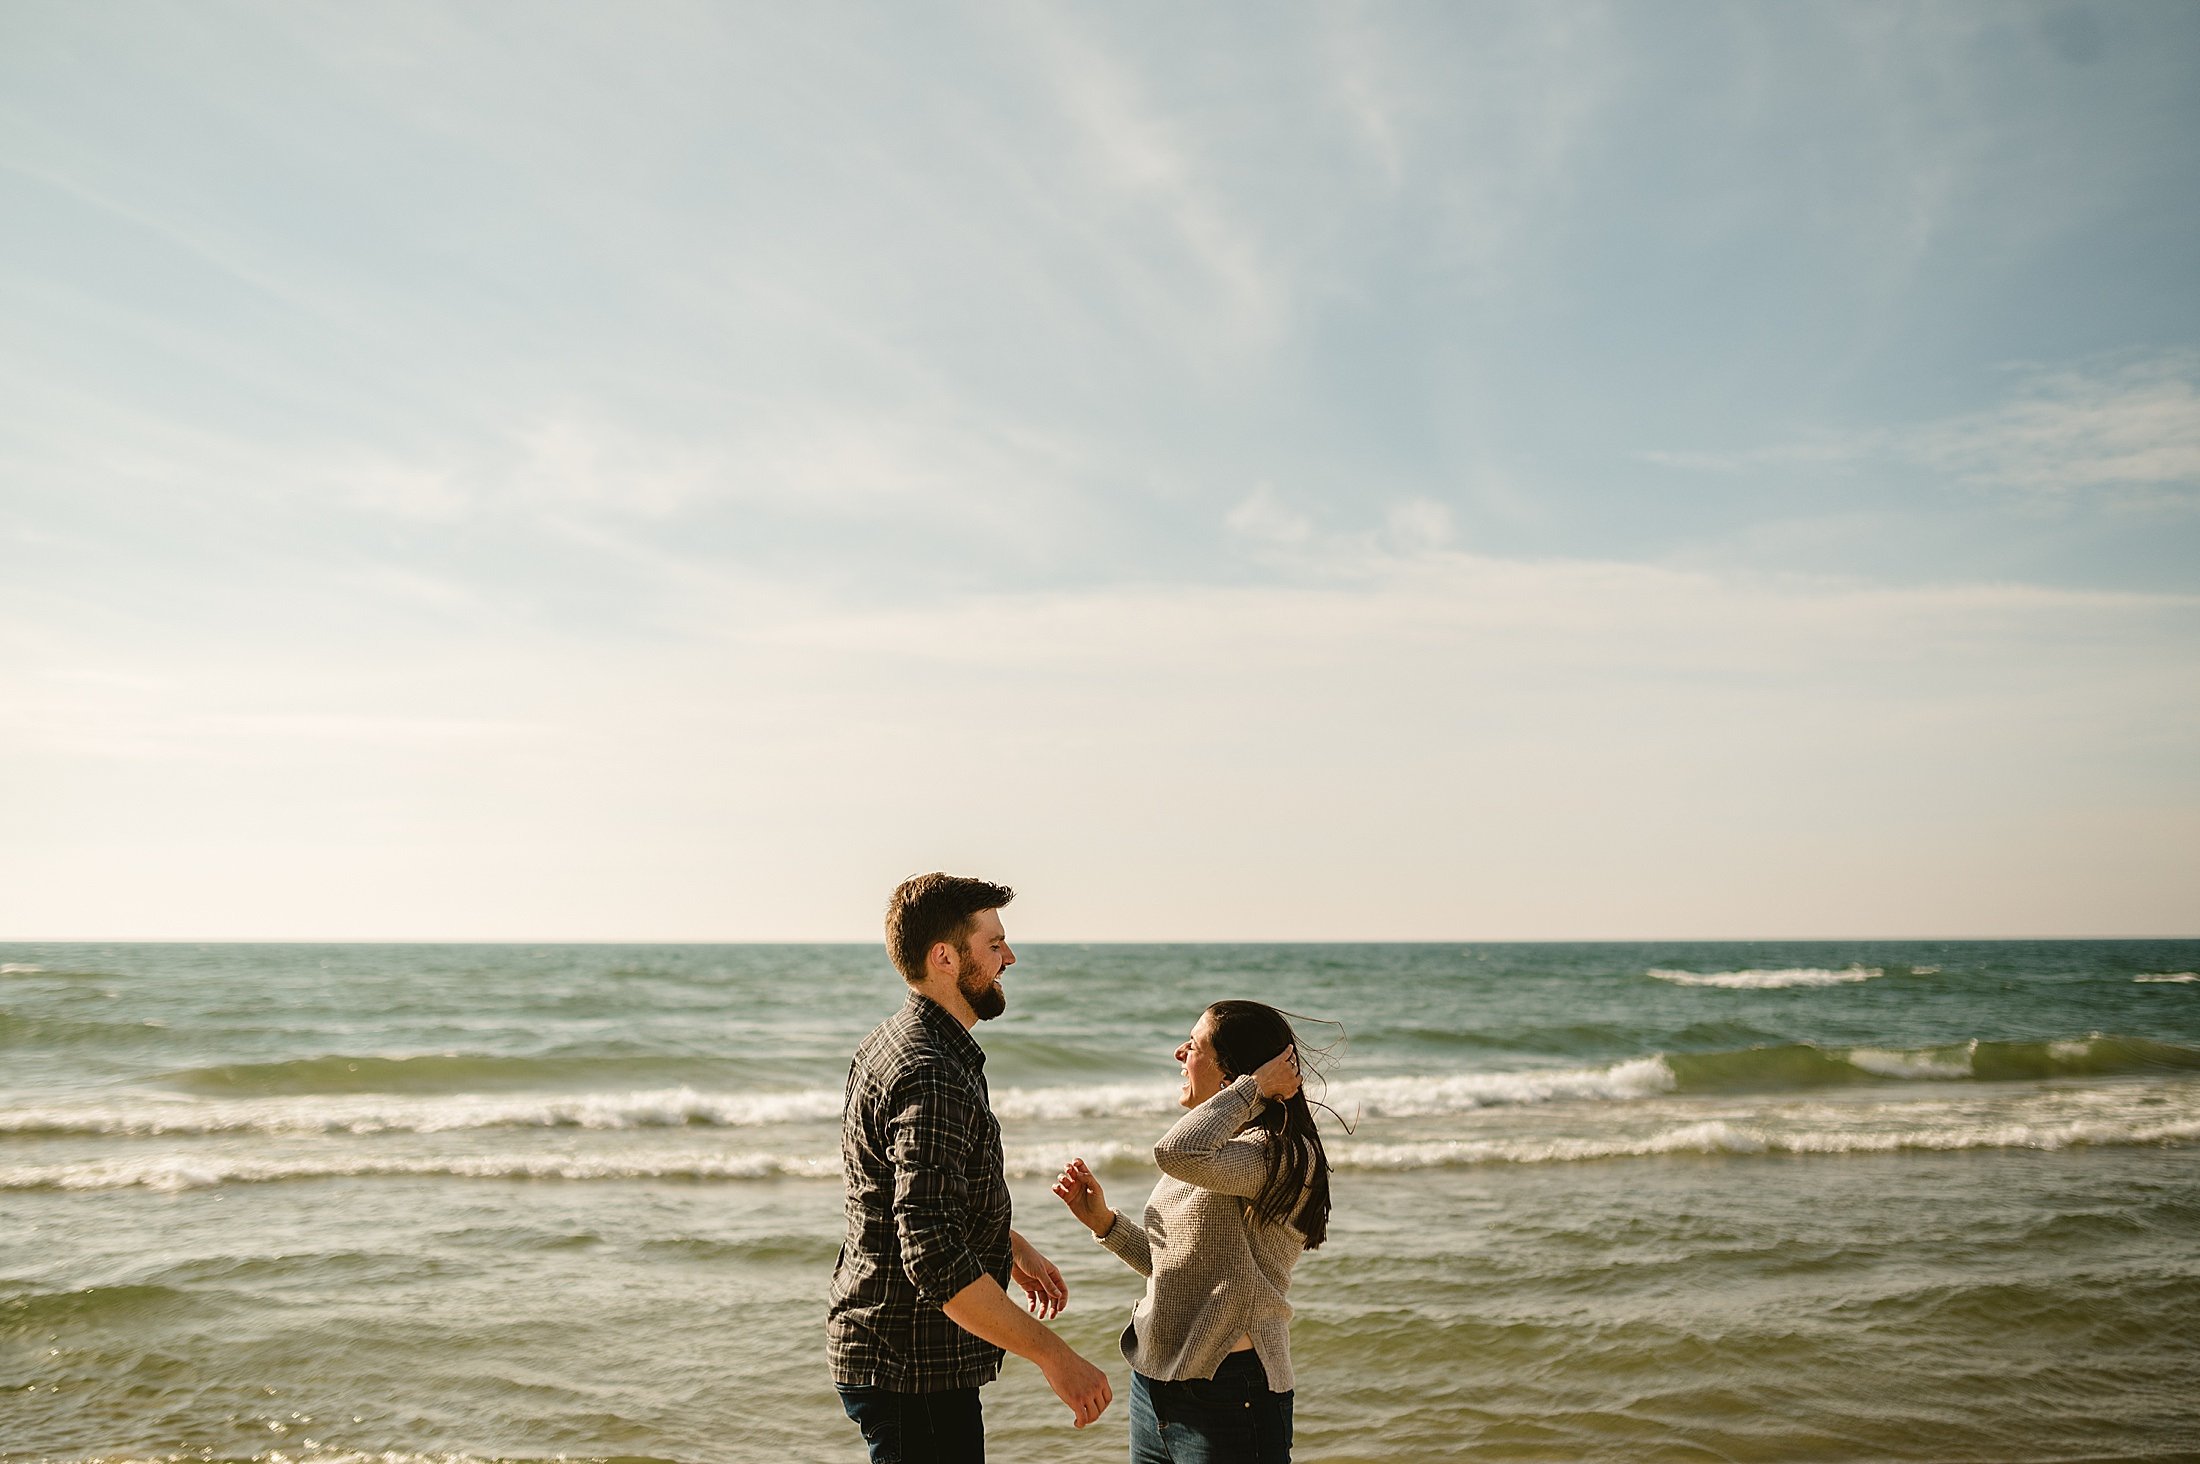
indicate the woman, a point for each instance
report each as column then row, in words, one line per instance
column 1245, row 1188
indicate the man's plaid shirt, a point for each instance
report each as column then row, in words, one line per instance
column 927, row 1205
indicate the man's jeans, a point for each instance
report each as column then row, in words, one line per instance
column 1230, row 1418
column 919, row 1428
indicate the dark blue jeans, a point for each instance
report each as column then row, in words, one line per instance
column 1230, row 1418
column 919, row 1428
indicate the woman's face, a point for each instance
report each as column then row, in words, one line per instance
column 1202, row 1073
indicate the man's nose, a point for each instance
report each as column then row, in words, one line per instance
column 1008, row 958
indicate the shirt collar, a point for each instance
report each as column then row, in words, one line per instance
column 953, row 1034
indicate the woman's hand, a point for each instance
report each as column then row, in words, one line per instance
column 1279, row 1076
column 1045, row 1292
column 1086, row 1200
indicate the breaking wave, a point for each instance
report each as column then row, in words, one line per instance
column 178, row 1172
column 427, row 1073
column 1720, row 1136
column 1642, row 1077
column 1802, row 1065
column 1789, row 1067
column 661, row 1108
column 158, row 1115
column 1779, row 980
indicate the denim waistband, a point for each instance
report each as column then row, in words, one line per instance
column 1244, row 1364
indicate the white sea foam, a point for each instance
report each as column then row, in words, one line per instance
column 179, row 1172
column 375, row 1113
column 158, row 1115
column 2169, row 976
column 14, row 968
column 1933, row 1063
column 173, row 1172
column 1644, row 1077
column 1398, row 1097
column 1769, row 980
column 1799, row 1132
column 1104, row 1100
column 1719, row 1136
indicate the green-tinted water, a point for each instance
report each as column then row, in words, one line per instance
column 1603, row 1202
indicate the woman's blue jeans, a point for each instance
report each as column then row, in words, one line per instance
column 1230, row 1418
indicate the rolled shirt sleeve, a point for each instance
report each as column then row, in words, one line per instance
column 931, row 1133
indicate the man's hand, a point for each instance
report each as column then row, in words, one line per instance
column 983, row 1310
column 1086, row 1200
column 1045, row 1292
column 1080, row 1385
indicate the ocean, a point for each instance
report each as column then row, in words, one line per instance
column 308, row 1204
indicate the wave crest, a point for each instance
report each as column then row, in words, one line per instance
column 1802, row 1065
column 1789, row 1067
column 1719, row 1136
column 178, row 1172
column 1642, row 1077
column 1712, row 1137
column 1777, row 980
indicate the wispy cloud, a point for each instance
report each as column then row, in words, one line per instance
column 1504, row 157
column 2134, row 428
column 539, row 435
column 1135, row 153
column 1368, row 90
column 2128, row 430
column 1262, row 519
column 1269, row 528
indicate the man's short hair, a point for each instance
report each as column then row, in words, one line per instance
column 929, row 908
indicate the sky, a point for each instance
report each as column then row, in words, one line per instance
column 553, row 471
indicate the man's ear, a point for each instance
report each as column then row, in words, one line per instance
column 941, row 958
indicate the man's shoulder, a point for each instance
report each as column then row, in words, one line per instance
column 902, row 1046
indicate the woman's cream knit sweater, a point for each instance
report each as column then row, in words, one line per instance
column 1213, row 1273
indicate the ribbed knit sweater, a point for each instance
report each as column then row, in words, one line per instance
column 1213, row 1273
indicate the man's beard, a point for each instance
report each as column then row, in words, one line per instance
column 988, row 1001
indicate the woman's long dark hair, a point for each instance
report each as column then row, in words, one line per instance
column 1247, row 1034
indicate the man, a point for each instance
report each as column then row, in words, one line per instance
column 919, row 1316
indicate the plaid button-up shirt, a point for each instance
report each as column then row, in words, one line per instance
column 927, row 1206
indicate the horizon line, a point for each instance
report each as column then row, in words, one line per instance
column 1074, row 941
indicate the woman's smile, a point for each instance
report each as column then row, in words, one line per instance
column 1196, row 1062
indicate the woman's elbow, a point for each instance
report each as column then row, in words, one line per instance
column 1191, row 1166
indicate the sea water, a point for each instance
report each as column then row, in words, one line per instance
column 1827, row 1201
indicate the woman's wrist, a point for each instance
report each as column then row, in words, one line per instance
column 1100, row 1231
